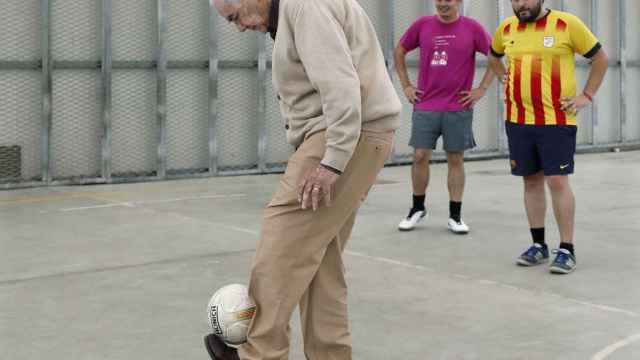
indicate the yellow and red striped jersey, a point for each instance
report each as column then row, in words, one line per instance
column 542, row 65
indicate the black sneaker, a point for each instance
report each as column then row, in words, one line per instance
column 218, row 350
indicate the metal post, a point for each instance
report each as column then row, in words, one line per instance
column 594, row 105
column 262, row 104
column 501, row 139
column 45, row 151
column 622, row 44
column 213, row 89
column 389, row 54
column 563, row 5
column 107, row 64
column 161, row 60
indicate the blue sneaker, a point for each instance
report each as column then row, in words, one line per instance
column 535, row 255
column 564, row 262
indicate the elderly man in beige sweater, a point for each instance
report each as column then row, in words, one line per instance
column 340, row 111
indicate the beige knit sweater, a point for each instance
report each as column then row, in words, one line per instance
column 329, row 73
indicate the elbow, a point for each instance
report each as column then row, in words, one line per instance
column 601, row 59
column 605, row 58
column 399, row 52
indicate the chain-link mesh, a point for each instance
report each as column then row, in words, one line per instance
column 585, row 133
column 485, row 115
column 237, row 128
column 607, row 30
column 76, row 133
column 75, row 30
column 20, row 30
column 632, row 12
column 76, row 129
column 403, row 134
column 20, row 122
column 188, row 30
column 234, row 45
column 134, row 33
column 607, row 111
column 378, row 12
column 187, row 121
column 633, row 105
column 406, row 13
column 483, row 11
column 133, row 121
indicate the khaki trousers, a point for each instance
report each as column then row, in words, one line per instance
column 298, row 258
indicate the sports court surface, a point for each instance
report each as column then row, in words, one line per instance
column 124, row 272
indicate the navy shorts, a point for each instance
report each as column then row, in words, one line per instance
column 549, row 148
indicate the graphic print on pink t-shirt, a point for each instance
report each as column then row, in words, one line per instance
column 447, row 59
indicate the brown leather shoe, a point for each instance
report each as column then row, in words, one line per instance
column 218, row 350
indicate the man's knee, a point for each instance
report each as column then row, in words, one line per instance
column 455, row 159
column 534, row 182
column 558, row 183
column 421, row 157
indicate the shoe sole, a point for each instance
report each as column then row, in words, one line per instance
column 560, row 271
column 459, row 232
column 523, row 262
column 424, row 217
column 208, row 347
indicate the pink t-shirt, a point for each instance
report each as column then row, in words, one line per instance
column 447, row 59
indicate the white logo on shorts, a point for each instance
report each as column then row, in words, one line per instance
column 549, row 41
column 562, row 167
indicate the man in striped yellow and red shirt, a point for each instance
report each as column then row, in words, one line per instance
column 541, row 108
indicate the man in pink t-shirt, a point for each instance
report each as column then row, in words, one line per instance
column 443, row 100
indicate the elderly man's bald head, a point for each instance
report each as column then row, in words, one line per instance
column 246, row 14
column 222, row 5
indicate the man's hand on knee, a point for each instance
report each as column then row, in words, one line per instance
column 316, row 185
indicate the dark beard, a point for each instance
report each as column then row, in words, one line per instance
column 533, row 14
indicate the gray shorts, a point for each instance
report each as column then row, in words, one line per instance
column 455, row 127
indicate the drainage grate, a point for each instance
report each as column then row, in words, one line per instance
column 10, row 167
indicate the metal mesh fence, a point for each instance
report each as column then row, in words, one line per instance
column 237, row 125
column 187, row 121
column 134, row 35
column 234, row 45
column 377, row 12
column 633, row 106
column 115, row 123
column 20, row 30
column 20, row 138
column 75, row 30
column 403, row 134
column 76, row 130
column 188, row 30
column 135, row 132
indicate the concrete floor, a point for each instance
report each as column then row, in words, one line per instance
column 125, row 271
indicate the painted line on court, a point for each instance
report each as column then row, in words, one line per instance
column 600, row 307
column 145, row 202
column 35, row 276
column 494, row 283
column 615, row 347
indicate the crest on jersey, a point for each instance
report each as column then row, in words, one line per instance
column 549, row 41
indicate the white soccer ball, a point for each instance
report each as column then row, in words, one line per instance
column 230, row 311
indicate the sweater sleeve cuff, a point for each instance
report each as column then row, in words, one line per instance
column 335, row 159
column 333, row 170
